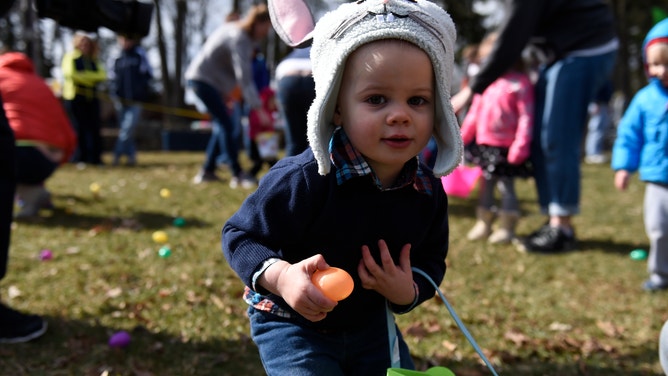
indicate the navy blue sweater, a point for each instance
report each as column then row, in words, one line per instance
column 133, row 75
column 297, row 213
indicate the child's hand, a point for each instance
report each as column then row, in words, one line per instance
column 622, row 180
column 293, row 283
column 393, row 282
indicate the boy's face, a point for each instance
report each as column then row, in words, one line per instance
column 386, row 103
column 657, row 62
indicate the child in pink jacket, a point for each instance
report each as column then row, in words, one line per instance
column 498, row 128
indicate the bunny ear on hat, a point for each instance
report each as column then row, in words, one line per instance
column 294, row 20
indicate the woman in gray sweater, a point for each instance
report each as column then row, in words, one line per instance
column 221, row 74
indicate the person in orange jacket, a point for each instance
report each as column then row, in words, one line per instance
column 44, row 136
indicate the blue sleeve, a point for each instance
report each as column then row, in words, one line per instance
column 630, row 140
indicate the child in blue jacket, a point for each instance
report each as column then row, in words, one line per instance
column 641, row 145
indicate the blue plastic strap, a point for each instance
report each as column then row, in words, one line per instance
column 395, row 356
column 459, row 322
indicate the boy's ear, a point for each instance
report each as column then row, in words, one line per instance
column 294, row 20
column 336, row 118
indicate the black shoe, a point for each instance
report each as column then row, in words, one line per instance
column 17, row 327
column 549, row 239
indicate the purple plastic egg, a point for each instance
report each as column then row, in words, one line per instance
column 45, row 255
column 119, row 339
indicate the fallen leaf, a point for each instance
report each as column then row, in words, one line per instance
column 516, row 337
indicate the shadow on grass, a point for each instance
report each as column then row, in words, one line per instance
column 73, row 347
column 598, row 364
column 60, row 217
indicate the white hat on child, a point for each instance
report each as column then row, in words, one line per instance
column 340, row 32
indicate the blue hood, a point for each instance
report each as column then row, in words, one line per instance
column 660, row 30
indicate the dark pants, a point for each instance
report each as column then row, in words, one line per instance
column 7, row 187
column 32, row 166
column 85, row 117
column 295, row 93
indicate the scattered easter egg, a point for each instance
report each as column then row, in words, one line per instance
column 164, row 252
column 638, row 254
column 179, row 222
column 160, row 237
column 335, row 283
column 165, row 193
column 45, row 255
column 119, row 339
column 95, row 188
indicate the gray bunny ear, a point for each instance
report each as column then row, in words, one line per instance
column 294, row 20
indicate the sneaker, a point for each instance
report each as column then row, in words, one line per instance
column 205, row 177
column 651, row 286
column 243, row 180
column 17, row 327
column 549, row 239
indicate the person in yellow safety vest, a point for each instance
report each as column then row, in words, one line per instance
column 82, row 73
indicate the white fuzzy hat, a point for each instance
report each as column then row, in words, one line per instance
column 340, row 32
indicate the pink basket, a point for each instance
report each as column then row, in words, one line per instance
column 461, row 181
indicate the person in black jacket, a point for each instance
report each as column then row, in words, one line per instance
column 577, row 42
column 132, row 74
column 15, row 326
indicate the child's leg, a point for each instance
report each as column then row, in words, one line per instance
column 484, row 213
column 509, row 202
column 508, row 213
column 290, row 349
column 656, row 226
column 287, row 348
column 254, row 156
column 486, row 191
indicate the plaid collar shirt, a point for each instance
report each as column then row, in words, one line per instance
column 350, row 164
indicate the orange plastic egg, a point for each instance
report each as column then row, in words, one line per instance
column 335, row 283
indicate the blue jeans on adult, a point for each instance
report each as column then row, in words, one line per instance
column 288, row 348
column 128, row 115
column 223, row 144
column 563, row 93
column 295, row 94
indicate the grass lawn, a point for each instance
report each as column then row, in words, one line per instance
column 580, row 313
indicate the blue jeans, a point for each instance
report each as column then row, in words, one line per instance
column 223, row 144
column 128, row 116
column 288, row 348
column 563, row 93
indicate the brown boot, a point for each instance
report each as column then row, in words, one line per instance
column 505, row 232
column 483, row 226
